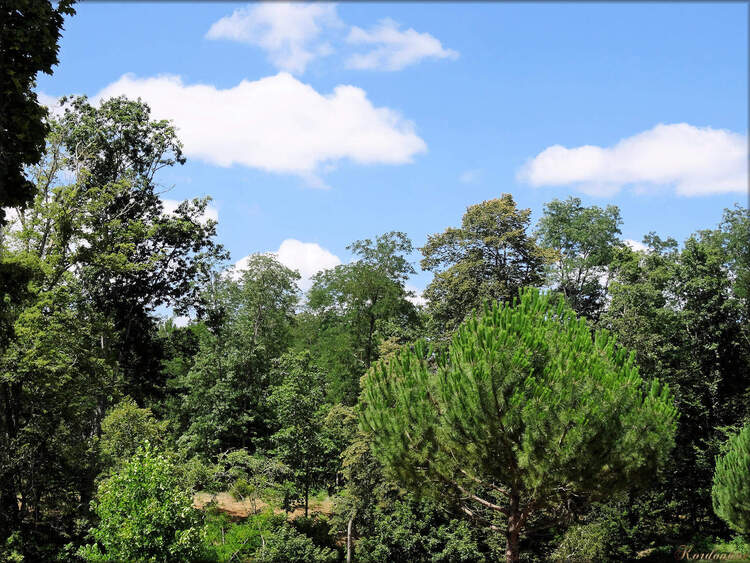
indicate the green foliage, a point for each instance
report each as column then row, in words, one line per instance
column 731, row 486
column 287, row 545
column 409, row 530
column 584, row 241
column 51, row 379
column 225, row 392
column 684, row 313
column 299, row 405
column 237, row 541
column 29, row 32
column 584, row 542
column 144, row 515
column 354, row 307
column 526, row 410
column 490, row 257
column 125, row 428
column 254, row 478
column 107, row 225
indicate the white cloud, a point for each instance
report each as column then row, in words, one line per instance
column 170, row 206
column 52, row 103
column 286, row 31
column 635, row 245
column 12, row 222
column 308, row 258
column 394, row 49
column 277, row 124
column 417, row 299
column 181, row 321
column 469, row 176
column 695, row 160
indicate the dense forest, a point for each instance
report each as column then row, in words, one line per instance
column 559, row 395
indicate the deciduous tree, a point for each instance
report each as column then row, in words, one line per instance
column 489, row 257
column 299, row 403
column 356, row 306
column 584, row 242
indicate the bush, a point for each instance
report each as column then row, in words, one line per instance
column 412, row 530
column 236, row 541
column 144, row 514
column 125, row 428
column 287, row 545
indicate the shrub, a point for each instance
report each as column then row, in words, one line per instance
column 144, row 514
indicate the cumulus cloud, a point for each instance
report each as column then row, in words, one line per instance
column 394, row 49
column 635, row 245
column 308, row 258
column 277, row 124
column 170, row 206
column 294, row 34
column 416, row 299
column 181, row 321
column 694, row 160
column 53, row 104
column 288, row 32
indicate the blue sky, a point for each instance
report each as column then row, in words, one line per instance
column 355, row 119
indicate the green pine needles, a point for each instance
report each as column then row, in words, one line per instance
column 731, row 490
column 525, row 413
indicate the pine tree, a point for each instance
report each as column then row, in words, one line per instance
column 526, row 413
column 731, row 490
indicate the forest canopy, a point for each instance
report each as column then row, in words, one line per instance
column 554, row 393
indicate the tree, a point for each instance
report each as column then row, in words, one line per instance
column 684, row 313
column 107, row 226
column 50, row 376
column 355, row 306
column 414, row 530
column 104, row 256
column 144, row 515
column 300, row 409
column 731, row 488
column 584, row 241
column 125, row 428
column 525, row 412
column 29, row 32
column 225, row 393
column 490, row 257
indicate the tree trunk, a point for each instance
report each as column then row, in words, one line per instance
column 349, row 539
column 511, row 549
column 307, row 495
column 514, row 530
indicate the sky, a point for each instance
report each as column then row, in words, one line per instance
column 312, row 125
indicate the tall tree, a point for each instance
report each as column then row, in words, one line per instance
column 526, row 411
column 490, row 256
column 104, row 256
column 225, row 393
column 29, row 33
column 107, row 226
column 299, row 403
column 356, row 306
column 684, row 313
column 584, row 241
